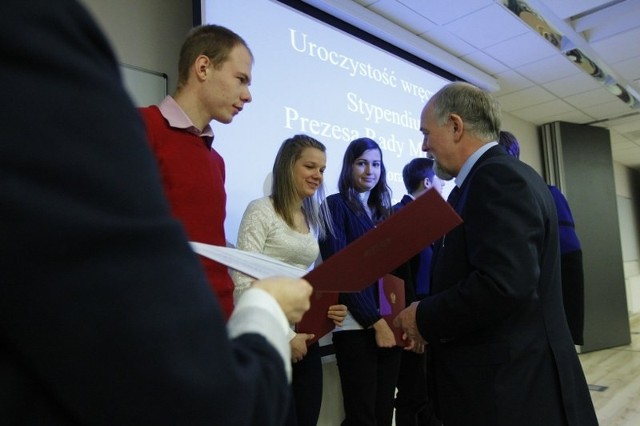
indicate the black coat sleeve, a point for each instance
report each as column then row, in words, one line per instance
column 105, row 314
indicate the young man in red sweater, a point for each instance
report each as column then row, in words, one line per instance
column 213, row 84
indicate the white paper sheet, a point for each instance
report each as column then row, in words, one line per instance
column 255, row 265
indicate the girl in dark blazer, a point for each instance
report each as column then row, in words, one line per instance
column 366, row 352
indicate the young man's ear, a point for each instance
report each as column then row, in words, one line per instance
column 202, row 66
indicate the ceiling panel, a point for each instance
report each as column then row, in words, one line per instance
column 537, row 82
column 525, row 98
column 590, row 98
column 484, row 62
column 444, row 11
column 619, row 47
column 606, row 110
column 447, row 41
column 549, row 69
column 511, row 81
column 628, row 69
column 545, row 112
column 365, row 2
column 565, row 9
column 619, row 143
column 630, row 127
column 521, row 50
column 619, row 16
column 479, row 29
column 571, row 85
column 402, row 15
column 572, row 116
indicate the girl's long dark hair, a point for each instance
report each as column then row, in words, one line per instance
column 380, row 196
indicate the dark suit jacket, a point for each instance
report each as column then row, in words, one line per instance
column 105, row 315
column 501, row 349
column 348, row 226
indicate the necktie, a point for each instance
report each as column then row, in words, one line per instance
column 453, row 196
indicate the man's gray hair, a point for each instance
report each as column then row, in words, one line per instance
column 479, row 109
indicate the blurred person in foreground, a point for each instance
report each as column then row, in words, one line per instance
column 106, row 317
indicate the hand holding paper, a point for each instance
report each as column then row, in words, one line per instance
column 291, row 294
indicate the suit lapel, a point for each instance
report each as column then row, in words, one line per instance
column 459, row 198
column 363, row 218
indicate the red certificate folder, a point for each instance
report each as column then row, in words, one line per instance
column 393, row 296
column 375, row 254
column 315, row 320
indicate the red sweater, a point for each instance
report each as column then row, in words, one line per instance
column 193, row 177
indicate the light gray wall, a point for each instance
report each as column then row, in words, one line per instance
column 145, row 33
column 528, row 138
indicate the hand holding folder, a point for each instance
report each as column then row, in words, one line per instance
column 392, row 302
column 361, row 263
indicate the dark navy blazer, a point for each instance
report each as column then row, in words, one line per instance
column 348, row 226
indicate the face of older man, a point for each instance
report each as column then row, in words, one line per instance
column 438, row 142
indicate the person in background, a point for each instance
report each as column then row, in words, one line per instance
column 106, row 317
column 570, row 252
column 500, row 349
column 214, row 74
column 367, row 355
column 285, row 226
column 413, row 407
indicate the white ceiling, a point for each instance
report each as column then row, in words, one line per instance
column 537, row 82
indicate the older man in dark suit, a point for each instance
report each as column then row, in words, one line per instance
column 500, row 346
